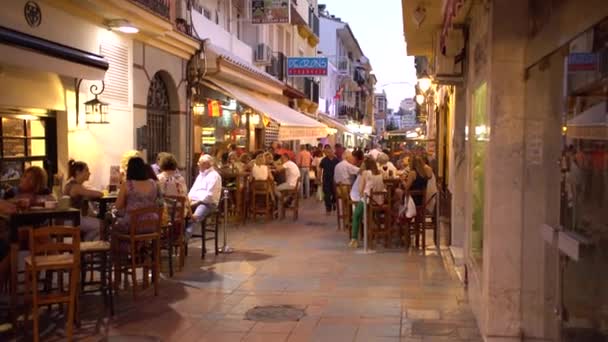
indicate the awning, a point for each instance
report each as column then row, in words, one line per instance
column 331, row 122
column 592, row 124
column 24, row 50
column 293, row 125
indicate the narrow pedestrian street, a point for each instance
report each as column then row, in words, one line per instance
column 294, row 269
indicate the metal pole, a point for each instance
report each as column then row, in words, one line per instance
column 225, row 248
column 365, row 248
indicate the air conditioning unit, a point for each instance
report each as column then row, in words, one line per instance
column 263, row 54
column 181, row 10
column 450, row 64
column 344, row 67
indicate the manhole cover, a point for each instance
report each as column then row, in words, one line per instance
column 275, row 313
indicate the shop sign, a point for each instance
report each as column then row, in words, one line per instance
column 270, row 11
column 307, row 66
column 582, row 62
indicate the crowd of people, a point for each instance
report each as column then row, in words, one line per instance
column 319, row 168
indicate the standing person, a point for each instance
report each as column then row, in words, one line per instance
column 328, row 167
column 370, row 179
column 339, row 149
column 346, row 170
column 292, row 172
column 206, row 191
column 375, row 151
column 78, row 173
column 303, row 160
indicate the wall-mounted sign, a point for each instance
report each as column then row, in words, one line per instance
column 32, row 13
column 270, row 12
column 582, row 62
column 307, row 66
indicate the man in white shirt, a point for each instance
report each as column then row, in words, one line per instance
column 292, row 172
column 206, row 191
column 345, row 169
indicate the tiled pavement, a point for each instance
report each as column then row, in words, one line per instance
column 391, row 295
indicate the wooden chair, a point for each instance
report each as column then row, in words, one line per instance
column 95, row 256
column 294, row 195
column 172, row 234
column 50, row 251
column 378, row 218
column 135, row 249
column 261, row 199
column 344, row 207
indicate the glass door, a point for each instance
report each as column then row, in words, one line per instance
column 583, row 242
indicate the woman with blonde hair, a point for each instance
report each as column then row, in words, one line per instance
column 78, row 173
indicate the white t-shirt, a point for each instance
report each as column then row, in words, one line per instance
column 373, row 183
column 292, row 172
column 259, row 172
column 344, row 170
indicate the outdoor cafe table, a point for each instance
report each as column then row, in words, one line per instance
column 33, row 218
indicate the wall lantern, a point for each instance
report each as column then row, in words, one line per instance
column 96, row 110
column 424, row 82
column 198, row 108
column 420, row 99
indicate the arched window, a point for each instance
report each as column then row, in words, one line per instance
column 158, row 122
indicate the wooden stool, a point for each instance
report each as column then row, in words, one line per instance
column 142, row 249
column 95, row 257
column 416, row 225
column 344, row 207
column 50, row 252
column 379, row 218
column 172, row 237
column 294, row 194
column 214, row 225
column 261, row 199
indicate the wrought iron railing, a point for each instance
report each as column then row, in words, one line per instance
column 159, row 7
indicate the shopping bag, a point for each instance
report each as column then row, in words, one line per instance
column 312, row 175
column 408, row 208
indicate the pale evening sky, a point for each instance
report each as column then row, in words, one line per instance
column 378, row 26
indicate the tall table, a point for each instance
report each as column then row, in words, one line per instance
column 31, row 218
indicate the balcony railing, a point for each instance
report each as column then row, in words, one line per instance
column 344, row 66
column 159, row 7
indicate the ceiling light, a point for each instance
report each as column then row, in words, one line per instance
column 420, row 99
column 122, row 25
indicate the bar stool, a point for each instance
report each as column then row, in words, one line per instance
column 210, row 224
column 416, row 225
column 294, row 194
column 261, row 199
column 172, row 237
column 50, row 252
column 344, row 207
column 379, row 217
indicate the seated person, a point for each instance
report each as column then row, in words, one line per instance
column 346, row 169
column 137, row 192
column 292, row 172
column 33, row 187
column 78, row 173
column 172, row 183
column 6, row 208
column 206, row 191
column 385, row 165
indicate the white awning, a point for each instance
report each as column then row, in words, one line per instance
column 293, row 125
